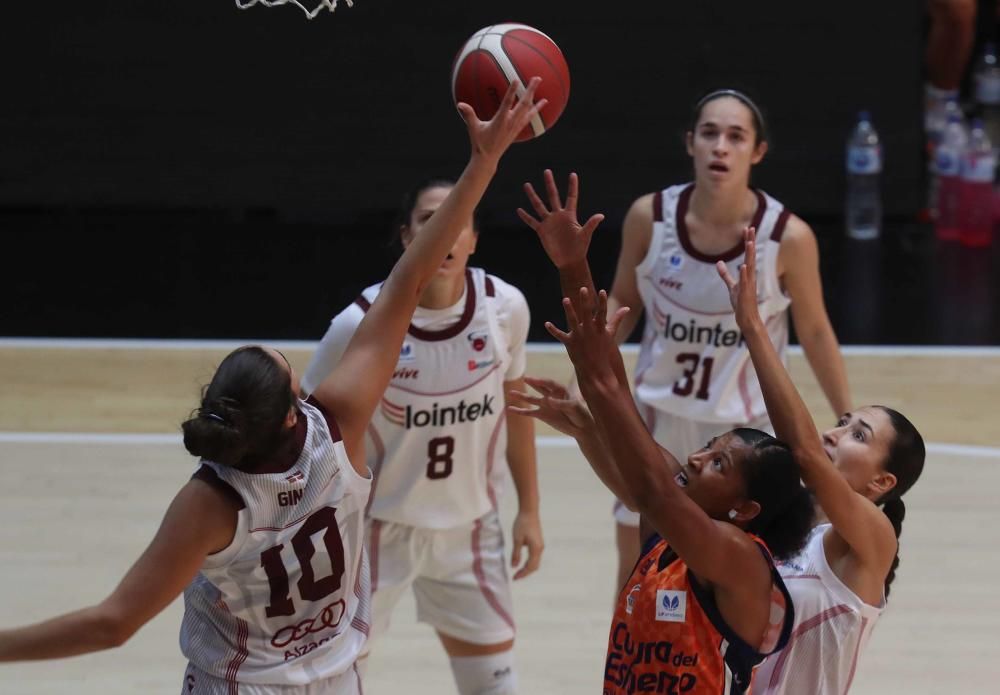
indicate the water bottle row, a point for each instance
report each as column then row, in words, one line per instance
column 962, row 162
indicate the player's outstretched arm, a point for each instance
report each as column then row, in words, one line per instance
column 557, row 408
column 719, row 553
column 199, row 522
column 353, row 389
column 863, row 526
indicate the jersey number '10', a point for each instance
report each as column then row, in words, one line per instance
column 310, row 588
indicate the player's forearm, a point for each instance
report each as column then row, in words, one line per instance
column 599, row 457
column 787, row 411
column 574, row 276
column 522, row 461
column 823, row 353
column 80, row 632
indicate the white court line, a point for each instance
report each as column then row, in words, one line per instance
column 535, row 348
column 544, row 442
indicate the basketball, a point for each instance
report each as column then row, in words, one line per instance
column 495, row 56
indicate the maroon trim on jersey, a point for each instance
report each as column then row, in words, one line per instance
column 374, row 532
column 377, row 468
column 363, row 303
column 491, row 291
column 804, row 627
column 331, row 423
column 492, row 369
column 779, row 225
column 685, row 238
column 463, row 322
column 233, row 668
column 207, row 474
column 658, row 206
column 484, row 587
column 491, row 451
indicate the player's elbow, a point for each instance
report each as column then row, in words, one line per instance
column 111, row 628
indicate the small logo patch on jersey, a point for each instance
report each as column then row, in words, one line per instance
column 296, row 477
column 479, row 364
column 671, row 606
column 406, row 353
column 477, row 340
column 406, row 373
column 676, row 261
column 630, row 599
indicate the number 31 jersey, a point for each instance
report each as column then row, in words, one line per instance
column 693, row 361
column 437, row 442
column 288, row 602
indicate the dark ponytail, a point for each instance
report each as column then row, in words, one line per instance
column 772, row 478
column 242, row 410
column 906, row 462
column 896, row 511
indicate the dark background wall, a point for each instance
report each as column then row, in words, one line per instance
column 191, row 170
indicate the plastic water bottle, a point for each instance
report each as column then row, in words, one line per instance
column 975, row 216
column 948, row 164
column 864, row 165
column 949, row 109
column 988, row 93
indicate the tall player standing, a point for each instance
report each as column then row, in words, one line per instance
column 267, row 537
column 438, row 445
column 694, row 379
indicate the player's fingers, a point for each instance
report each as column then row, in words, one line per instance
column 572, row 192
column 536, row 202
column 723, row 271
column 591, row 226
column 528, row 219
column 553, row 191
column 556, row 333
column 534, row 560
column 617, row 319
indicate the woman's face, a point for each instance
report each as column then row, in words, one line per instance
column 713, row 477
column 859, row 447
column 427, row 202
column 723, row 143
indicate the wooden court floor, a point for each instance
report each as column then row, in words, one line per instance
column 75, row 510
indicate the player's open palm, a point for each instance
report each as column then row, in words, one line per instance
column 492, row 138
column 556, row 407
column 743, row 290
column 564, row 239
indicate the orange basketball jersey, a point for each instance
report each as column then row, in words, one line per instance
column 667, row 635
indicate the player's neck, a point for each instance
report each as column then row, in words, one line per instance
column 443, row 291
column 723, row 207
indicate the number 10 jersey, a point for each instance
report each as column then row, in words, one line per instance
column 693, row 361
column 288, row 602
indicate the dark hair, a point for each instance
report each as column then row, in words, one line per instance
column 760, row 127
column 409, row 202
column 906, row 462
column 772, row 479
column 242, row 410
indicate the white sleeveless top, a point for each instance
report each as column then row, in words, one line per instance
column 288, row 602
column 693, row 361
column 438, row 441
column 832, row 627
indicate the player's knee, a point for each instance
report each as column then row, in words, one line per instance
column 490, row 674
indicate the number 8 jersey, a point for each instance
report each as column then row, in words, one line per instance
column 288, row 602
column 437, row 442
column 693, row 361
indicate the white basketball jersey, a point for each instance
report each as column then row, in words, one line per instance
column 832, row 627
column 693, row 361
column 438, row 441
column 288, row 601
